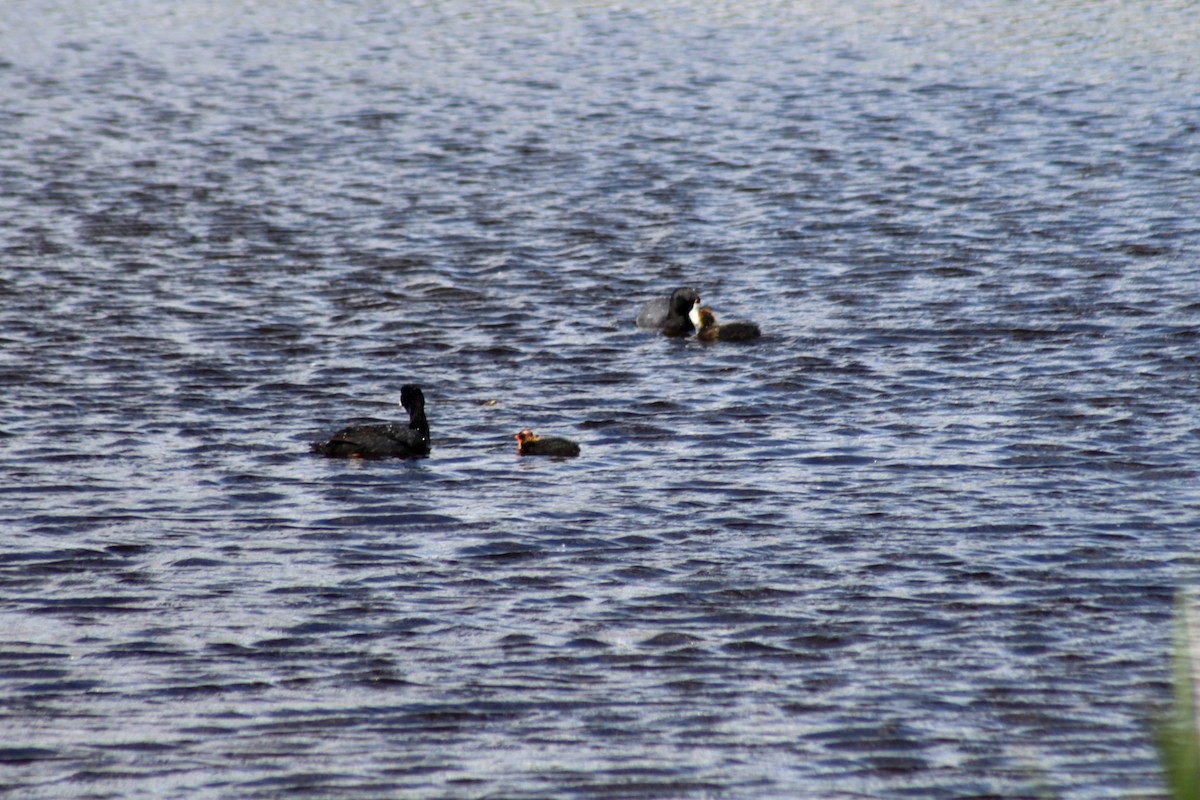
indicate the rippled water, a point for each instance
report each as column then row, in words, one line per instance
column 920, row 540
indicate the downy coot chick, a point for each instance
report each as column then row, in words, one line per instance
column 708, row 330
column 669, row 314
column 529, row 444
column 384, row 440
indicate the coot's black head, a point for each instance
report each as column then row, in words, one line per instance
column 412, row 398
column 682, row 300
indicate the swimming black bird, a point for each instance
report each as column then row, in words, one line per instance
column 530, row 444
column 709, row 330
column 669, row 314
column 384, row 440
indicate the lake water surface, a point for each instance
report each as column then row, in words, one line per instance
column 921, row 540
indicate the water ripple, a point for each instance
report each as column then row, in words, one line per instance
column 921, row 538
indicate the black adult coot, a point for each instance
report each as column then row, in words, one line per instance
column 709, row 330
column 386, row 439
column 669, row 314
column 530, row 444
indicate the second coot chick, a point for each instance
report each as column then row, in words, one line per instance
column 384, row 440
column 709, row 330
column 530, row 444
column 669, row 314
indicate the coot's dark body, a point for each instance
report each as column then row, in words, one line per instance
column 669, row 314
column 709, row 330
column 529, row 444
column 733, row 332
column 386, row 439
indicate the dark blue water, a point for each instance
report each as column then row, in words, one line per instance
column 921, row 540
